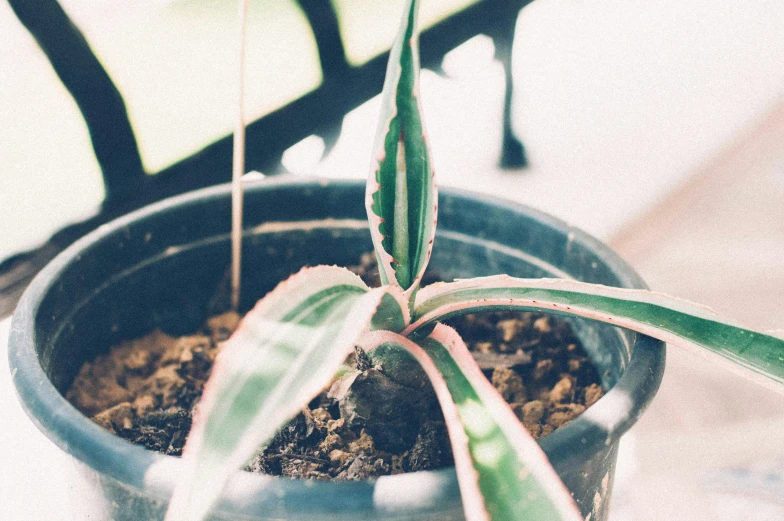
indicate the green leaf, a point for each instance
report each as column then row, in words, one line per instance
column 401, row 192
column 502, row 473
column 285, row 351
column 755, row 355
column 393, row 313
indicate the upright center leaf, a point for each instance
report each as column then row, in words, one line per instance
column 401, row 191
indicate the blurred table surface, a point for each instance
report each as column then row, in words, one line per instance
column 718, row 240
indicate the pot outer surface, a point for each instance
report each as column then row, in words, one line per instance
column 160, row 267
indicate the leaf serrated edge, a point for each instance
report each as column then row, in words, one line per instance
column 426, row 311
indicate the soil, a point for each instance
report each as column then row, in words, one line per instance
column 366, row 425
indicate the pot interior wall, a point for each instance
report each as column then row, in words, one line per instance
column 178, row 288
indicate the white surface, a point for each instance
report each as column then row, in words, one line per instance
column 32, row 484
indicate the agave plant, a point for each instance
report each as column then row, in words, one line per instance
column 291, row 345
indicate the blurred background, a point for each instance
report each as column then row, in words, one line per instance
column 657, row 126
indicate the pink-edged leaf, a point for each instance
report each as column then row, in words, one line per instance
column 401, row 190
column 393, row 313
column 285, row 351
column 758, row 356
column 502, row 473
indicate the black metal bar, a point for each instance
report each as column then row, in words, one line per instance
column 326, row 30
column 97, row 97
column 325, row 107
column 512, row 150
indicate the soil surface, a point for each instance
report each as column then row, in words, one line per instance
column 368, row 423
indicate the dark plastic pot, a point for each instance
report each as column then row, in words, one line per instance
column 160, row 267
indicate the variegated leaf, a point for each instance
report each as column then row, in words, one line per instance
column 401, row 192
column 285, row 351
column 502, row 473
column 755, row 355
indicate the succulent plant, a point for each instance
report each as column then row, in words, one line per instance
column 293, row 342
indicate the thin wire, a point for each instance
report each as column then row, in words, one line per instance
column 238, row 166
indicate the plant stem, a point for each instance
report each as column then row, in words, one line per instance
column 238, row 165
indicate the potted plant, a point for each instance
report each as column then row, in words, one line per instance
column 293, row 342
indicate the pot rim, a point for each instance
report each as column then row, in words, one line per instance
column 154, row 474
